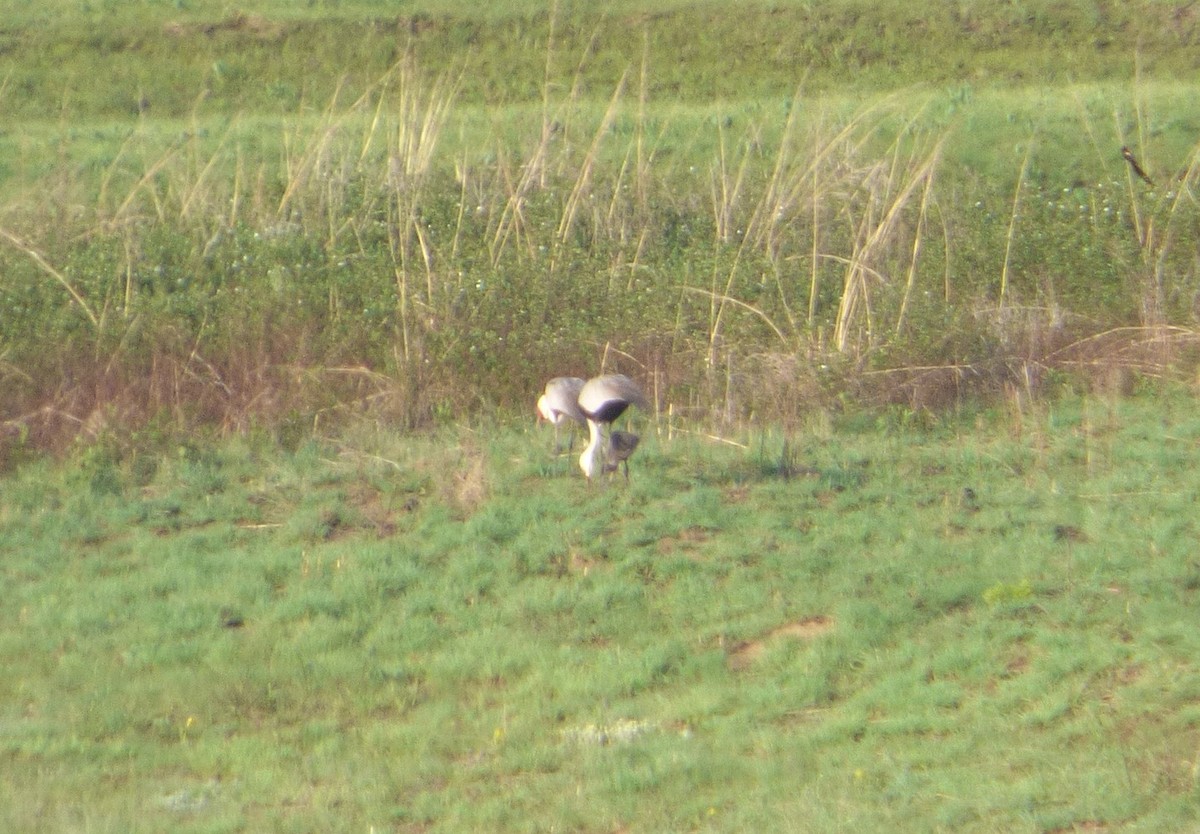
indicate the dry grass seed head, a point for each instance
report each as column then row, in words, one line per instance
column 468, row 487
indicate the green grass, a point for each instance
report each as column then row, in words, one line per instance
column 274, row 218
column 90, row 58
column 981, row 625
column 236, row 602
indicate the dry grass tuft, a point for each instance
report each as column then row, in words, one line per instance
column 783, row 388
column 746, row 654
column 468, row 487
column 1114, row 358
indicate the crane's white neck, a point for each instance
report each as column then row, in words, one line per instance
column 591, row 461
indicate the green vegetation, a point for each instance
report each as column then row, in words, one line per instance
column 276, row 555
column 271, row 216
column 980, row 625
column 97, row 58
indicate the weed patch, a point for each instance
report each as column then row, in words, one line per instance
column 415, row 247
column 638, row 638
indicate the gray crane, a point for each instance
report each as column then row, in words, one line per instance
column 602, row 400
column 559, row 403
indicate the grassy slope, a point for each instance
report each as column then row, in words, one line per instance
column 979, row 626
column 438, row 644
column 266, row 56
column 166, row 223
column 148, row 215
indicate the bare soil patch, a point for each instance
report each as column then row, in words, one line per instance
column 746, row 654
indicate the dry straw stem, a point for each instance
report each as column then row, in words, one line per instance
column 903, row 182
column 1148, row 349
column 1010, row 238
column 547, row 74
column 45, row 266
column 1166, row 240
column 622, row 219
column 823, row 190
column 643, row 159
column 583, row 180
column 804, row 179
column 723, row 300
column 924, row 386
column 420, row 119
column 608, row 351
column 194, row 192
column 123, row 214
column 726, row 189
column 534, row 172
column 918, row 238
column 303, row 161
column 511, row 224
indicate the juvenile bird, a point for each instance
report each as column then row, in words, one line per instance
column 620, row 447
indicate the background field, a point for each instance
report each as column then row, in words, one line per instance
column 978, row 627
column 245, row 217
column 908, row 542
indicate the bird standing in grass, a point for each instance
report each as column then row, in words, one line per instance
column 602, row 400
column 559, row 403
column 620, row 447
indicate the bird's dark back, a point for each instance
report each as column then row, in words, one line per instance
column 609, row 411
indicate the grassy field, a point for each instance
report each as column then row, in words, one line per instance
column 908, row 542
column 244, row 218
column 982, row 624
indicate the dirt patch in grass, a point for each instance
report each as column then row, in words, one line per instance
column 737, row 494
column 582, row 564
column 377, row 510
column 809, row 628
column 254, row 25
column 685, row 540
column 1082, row 825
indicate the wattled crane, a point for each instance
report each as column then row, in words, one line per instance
column 560, row 402
column 603, row 399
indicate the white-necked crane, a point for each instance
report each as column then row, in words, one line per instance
column 620, row 446
column 560, row 402
column 603, row 399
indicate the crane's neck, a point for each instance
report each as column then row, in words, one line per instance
column 591, row 460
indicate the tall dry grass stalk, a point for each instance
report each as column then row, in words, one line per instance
column 551, row 163
column 1013, row 215
column 821, row 191
column 581, row 189
column 420, row 117
column 890, row 195
column 42, row 264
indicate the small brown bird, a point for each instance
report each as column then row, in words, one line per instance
column 620, row 447
column 1133, row 163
